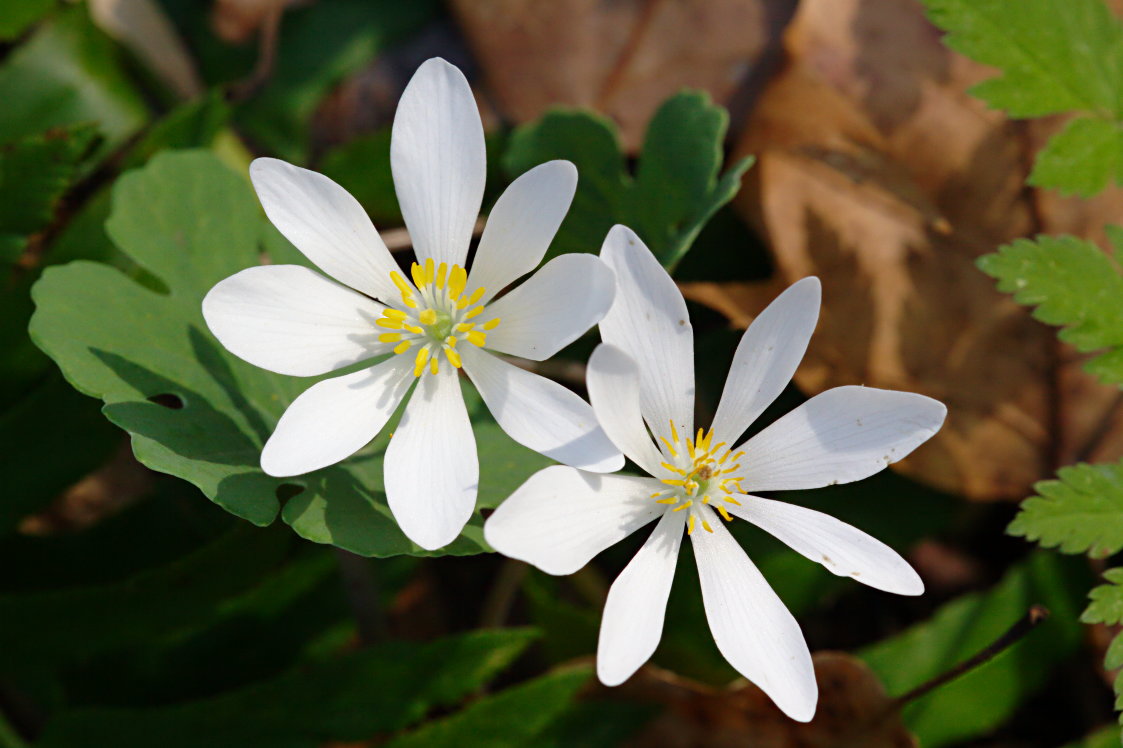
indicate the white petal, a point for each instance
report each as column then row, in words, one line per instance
column 844, row 550
column 767, row 357
column 613, row 382
column 561, row 517
column 632, row 623
column 841, row 435
column 753, row 629
column 438, row 160
column 335, row 418
column 554, row 307
column 291, row 320
column 431, row 471
column 649, row 322
column 540, row 414
column 324, row 222
column 521, row 226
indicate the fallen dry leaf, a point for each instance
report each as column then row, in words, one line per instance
column 854, row 712
column 620, row 57
column 881, row 175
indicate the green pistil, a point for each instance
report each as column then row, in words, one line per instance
column 440, row 329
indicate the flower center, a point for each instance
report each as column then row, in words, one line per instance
column 704, row 473
column 435, row 316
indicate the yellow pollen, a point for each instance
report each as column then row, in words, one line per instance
column 674, row 432
column 673, row 469
column 700, row 440
column 389, row 324
column 657, row 494
column 419, row 363
column 394, row 314
column 407, row 292
column 730, row 469
column 733, row 501
column 452, row 356
column 474, row 313
column 689, row 502
column 674, row 482
column 491, row 324
column 430, row 270
column 669, row 500
column 690, row 526
column 477, row 338
column 672, row 450
column 441, row 272
column 403, row 346
column 433, row 364
column 427, row 317
column 389, row 337
column 476, row 296
column 451, row 341
column 457, row 278
column 414, row 329
column 706, row 526
column 724, row 513
column 706, row 499
column 690, row 449
column 710, row 451
column 418, row 274
column 465, row 326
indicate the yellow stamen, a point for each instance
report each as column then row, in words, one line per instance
column 733, row 501
column 442, row 270
column 690, row 449
column 491, row 324
column 477, row 338
column 403, row 346
column 400, row 282
column 457, row 277
column 389, row 337
column 706, row 499
column 414, row 329
column 689, row 502
column 672, row 450
column 674, row 482
column 725, row 457
column 453, row 357
column 474, row 313
column 710, row 451
column 430, row 270
column 673, row 469
column 465, row 326
column 669, row 500
column 674, row 432
column 690, row 526
column 730, row 469
column 433, row 364
column 389, row 324
column 427, row 317
column 700, row 440
column 418, row 274
column 476, row 296
column 706, row 526
column 657, row 494
column 394, row 314
column 451, row 341
column 420, row 361
column 724, row 513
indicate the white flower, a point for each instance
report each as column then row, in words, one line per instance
column 644, row 374
column 291, row 320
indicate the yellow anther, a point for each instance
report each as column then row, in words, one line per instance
column 733, row 501
column 690, row 526
column 394, row 314
column 477, row 338
column 466, row 302
column 442, row 270
column 724, row 513
column 409, row 301
column 730, row 469
column 430, row 270
column 427, row 317
column 389, row 324
column 433, row 364
column 420, row 361
column 418, row 274
column 672, row 468
column 457, row 278
column 700, row 440
column 689, row 502
column 450, row 341
column 710, row 450
column 465, row 326
column 474, row 312
column 668, row 500
column 706, row 499
column 706, row 526
column 453, row 357
column 657, row 494
column 672, row 450
column 414, row 329
column 400, row 282
column 674, row 481
column 674, row 432
column 690, row 449
column 389, row 337
column 725, row 457
column 491, row 324
column 403, row 346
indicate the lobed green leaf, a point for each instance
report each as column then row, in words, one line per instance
column 1107, row 600
column 1084, row 159
column 1079, row 512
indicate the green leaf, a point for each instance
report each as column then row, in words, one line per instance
column 1107, row 600
column 1080, row 512
column 676, row 188
column 1071, row 282
column 34, row 173
column 963, row 627
column 1054, row 56
column 69, row 73
column 513, row 717
column 1107, row 738
column 16, row 16
column 189, row 222
column 380, row 689
column 1084, row 159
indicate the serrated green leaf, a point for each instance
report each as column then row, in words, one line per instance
column 1080, row 512
column 676, row 188
column 1054, row 56
column 381, row 689
column 1084, row 159
column 78, row 77
column 1073, row 283
column 962, row 628
column 1106, row 604
column 511, row 718
column 189, row 221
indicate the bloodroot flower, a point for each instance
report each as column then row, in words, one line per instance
column 641, row 385
column 432, row 321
